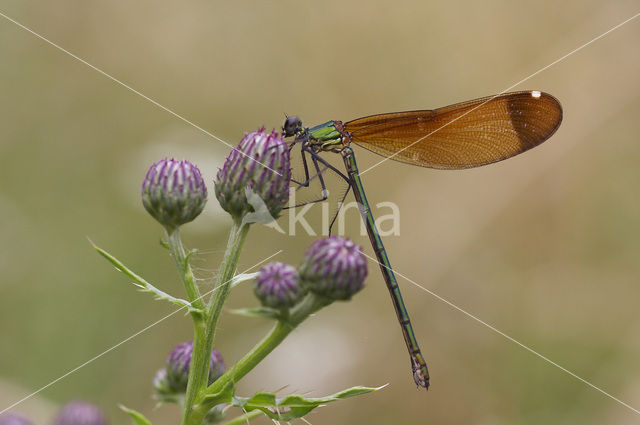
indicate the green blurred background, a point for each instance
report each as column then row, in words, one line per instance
column 545, row 246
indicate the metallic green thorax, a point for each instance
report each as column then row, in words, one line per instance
column 418, row 365
column 327, row 136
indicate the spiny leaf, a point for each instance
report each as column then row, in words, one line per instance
column 145, row 286
column 161, row 295
column 292, row 406
column 238, row 279
column 264, row 312
column 138, row 418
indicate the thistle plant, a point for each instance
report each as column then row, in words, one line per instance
column 80, row 413
column 253, row 187
column 173, row 192
column 334, row 267
column 259, row 163
column 278, row 286
column 170, row 382
column 72, row 413
column 13, row 419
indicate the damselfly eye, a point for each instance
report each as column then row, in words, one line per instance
column 292, row 125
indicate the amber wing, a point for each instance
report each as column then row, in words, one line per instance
column 464, row 135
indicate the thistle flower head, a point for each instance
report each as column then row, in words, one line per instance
column 278, row 286
column 334, row 267
column 173, row 192
column 80, row 413
column 174, row 376
column 261, row 164
column 13, row 419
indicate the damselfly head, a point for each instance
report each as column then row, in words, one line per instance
column 292, row 126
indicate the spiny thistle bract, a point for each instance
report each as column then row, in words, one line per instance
column 260, row 163
column 80, row 413
column 173, row 378
column 334, row 267
column 278, row 286
column 174, row 192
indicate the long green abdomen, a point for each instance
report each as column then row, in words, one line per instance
column 419, row 367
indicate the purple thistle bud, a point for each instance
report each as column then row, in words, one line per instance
column 334, row 267
column 161, row 383
column 278, row 286
column 13, row 419
column 173, row 192
column 261, row 164
column 80, row 413
column 176, row 374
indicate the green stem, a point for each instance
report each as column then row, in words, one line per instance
column 197, row 380
column 278, row 333
column 199, row 369
column 204, row 336
column 225, row 277
column 176, row 248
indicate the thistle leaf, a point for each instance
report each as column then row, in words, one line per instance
column 138, row 418
column 292, row 406
column 238, row 279
column 264, row 312
column 145, row 286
